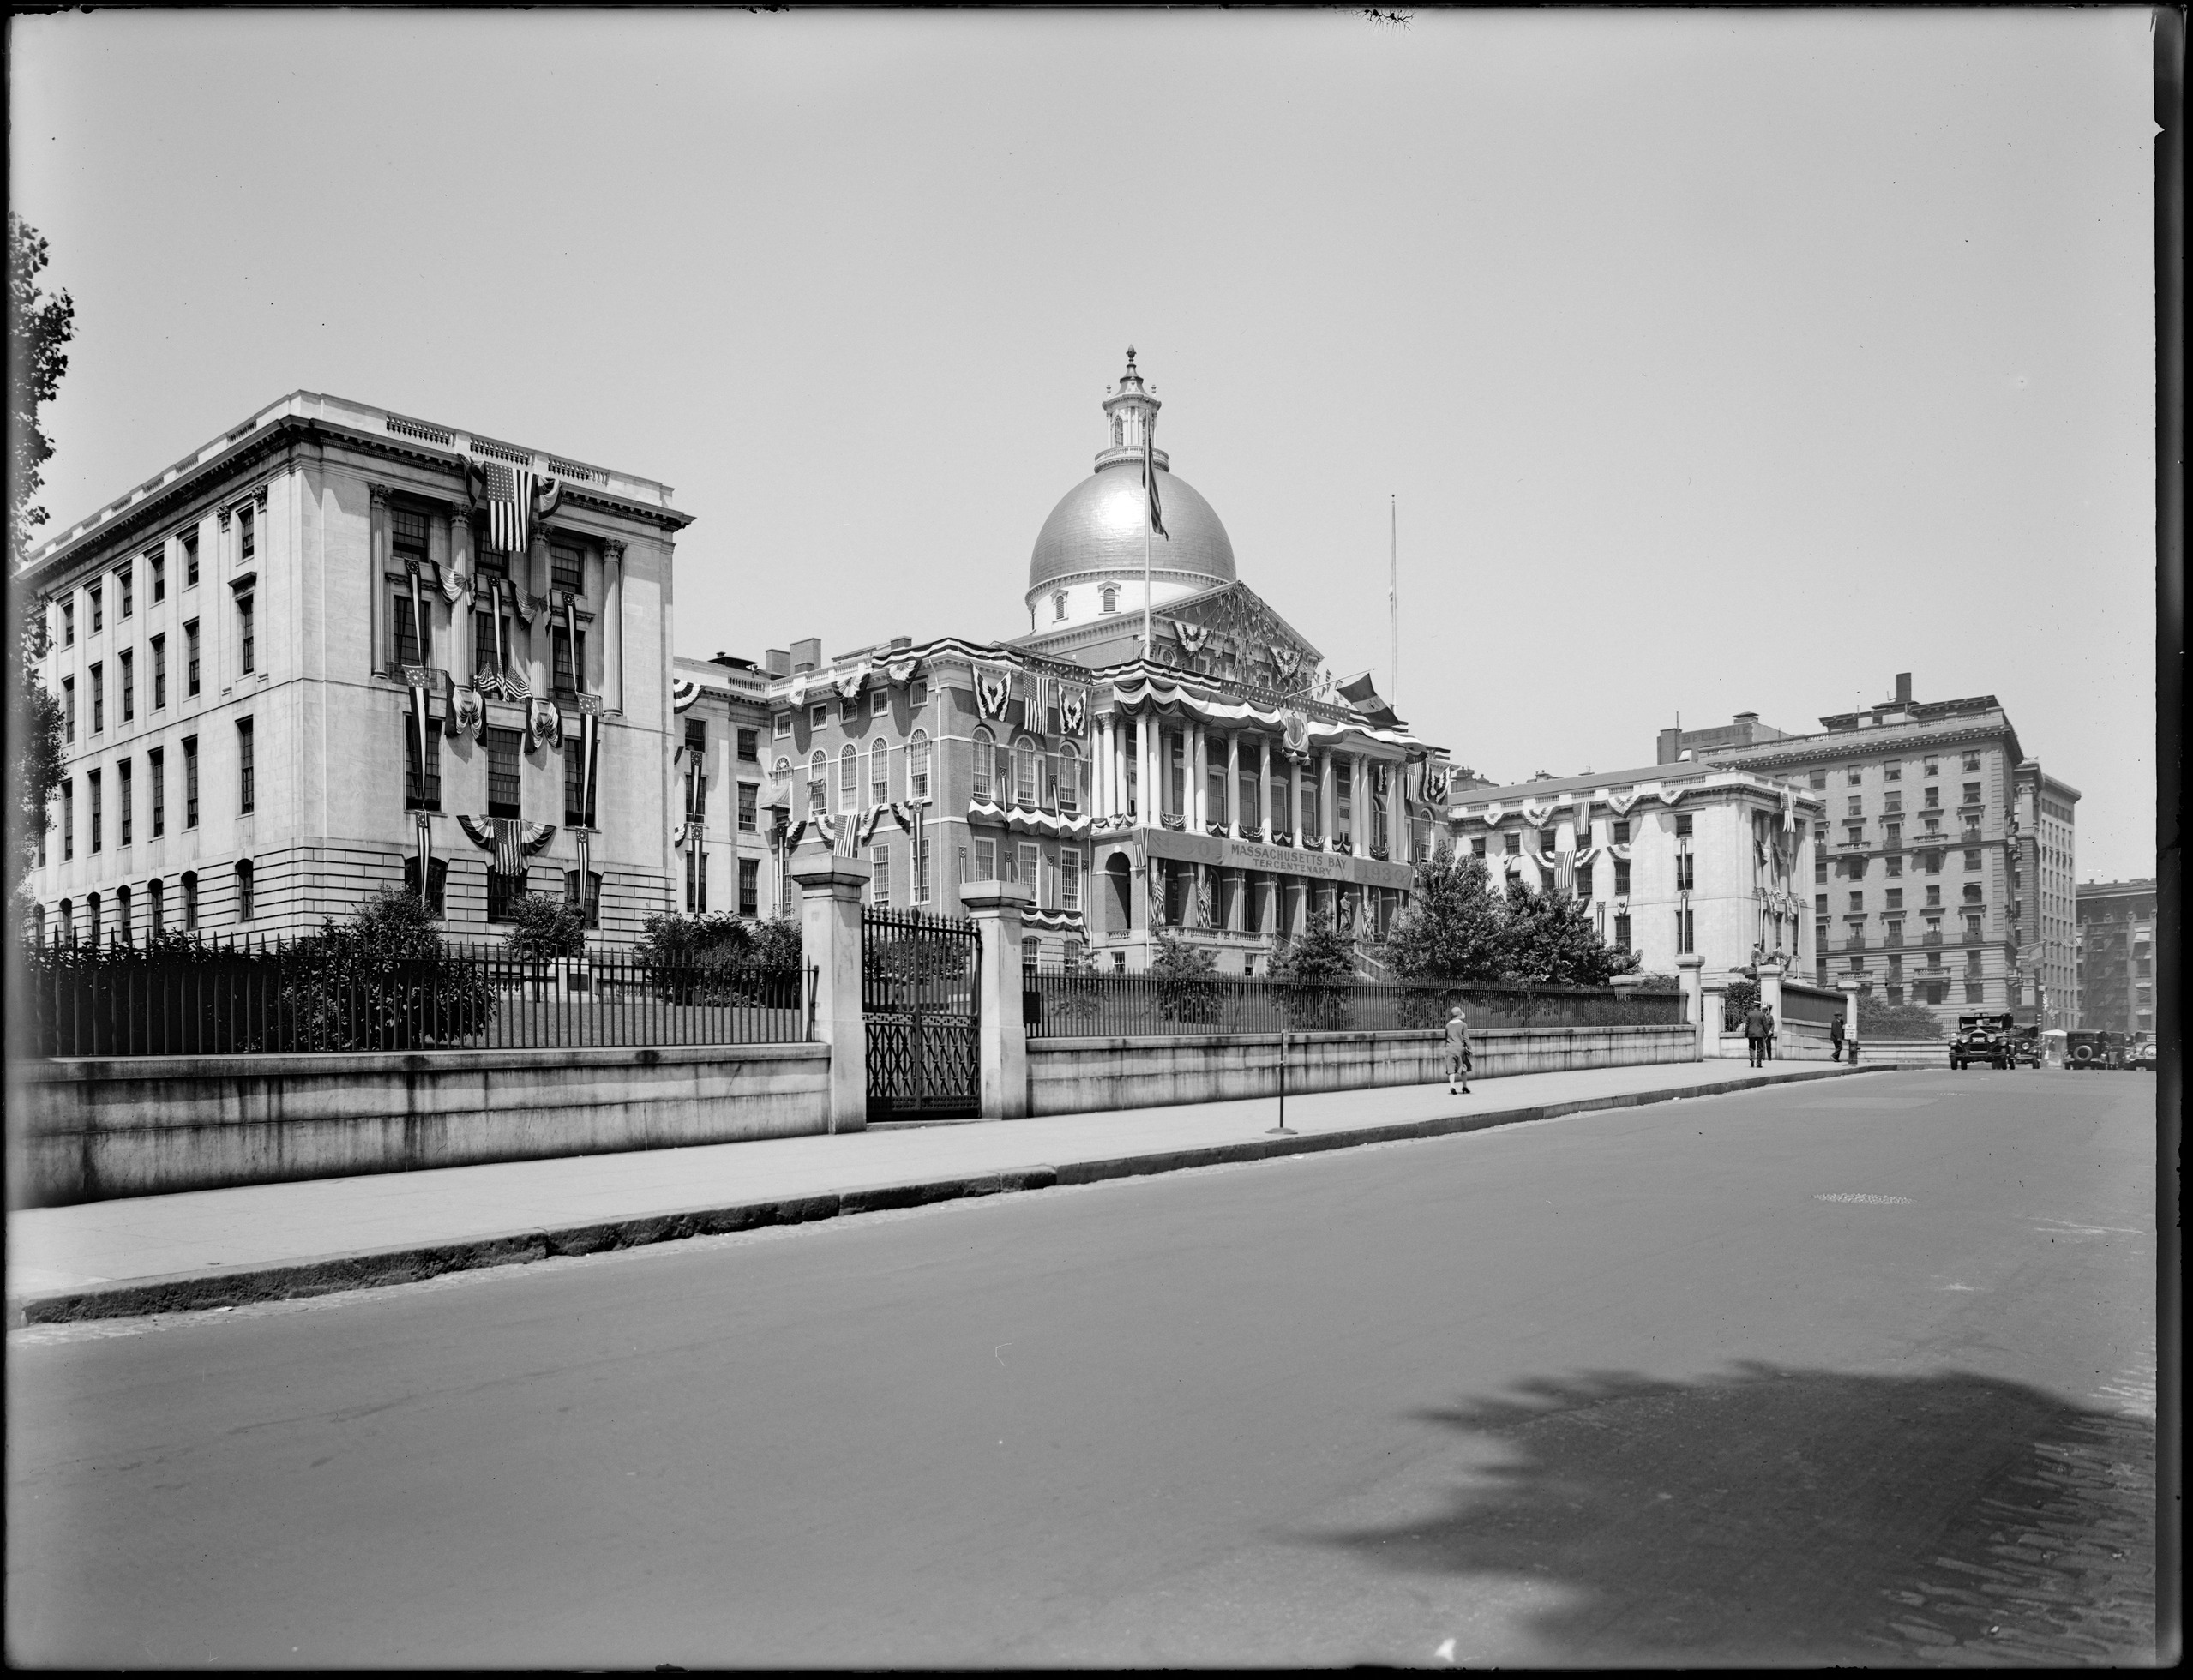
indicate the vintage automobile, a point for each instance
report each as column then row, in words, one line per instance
column 1983, row 1038
column 2090, row 1051
column 2143, row 1055
column 2025, row 1045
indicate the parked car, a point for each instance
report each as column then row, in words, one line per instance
column 2091, row 1051
column 2143, row 1055
column 1982, row 1038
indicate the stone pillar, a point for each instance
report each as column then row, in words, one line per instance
column 611, row 629
column 830, row 937
column 997, row 908
column 461, row 609
column 1689, row 972
column 375, row 606
column 538, row 621
column 1264, row 789
column 1099, row 786
column 1116, row 753
column 1198, row 783
column 1147, row 792
column 1850, row 988
column 1327, row 821
column 1233, row 814
column 1770, row 992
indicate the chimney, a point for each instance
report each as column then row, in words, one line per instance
column 1903, row 687
column 807, row 655
column 1746, row 717
column 1670, row 743
column 778, row 662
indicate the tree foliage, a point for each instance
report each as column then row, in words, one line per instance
column 718, row 941
column 1549, row 940
column 1877, row 1019
column 381, row 980
column 1186, row 974
column 39, row 328
column 1454, row 927
column 544, row 926
column 1319, row 954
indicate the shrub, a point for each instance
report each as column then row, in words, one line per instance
column 1885, row 1020
column 543, row 927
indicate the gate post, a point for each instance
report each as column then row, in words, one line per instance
column 997, row 908
column 830, row 937
column 1690, row 973
column 1770, row 993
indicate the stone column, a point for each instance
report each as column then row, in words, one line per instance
column 997, row 908
column 1146, row 806
column 1263, row 789
column 537, row 630
column 1327, row 821
column 612, row 627
column 1770, row 992
column 460, row 610
column 1198, row 784
column 830, row 936
column 1850, row 988
column 377, row 588
column 1295, row 823
column 1234, row 788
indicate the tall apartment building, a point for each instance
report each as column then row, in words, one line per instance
column 2116, row 957
column 324, row 651
column 1944, row 862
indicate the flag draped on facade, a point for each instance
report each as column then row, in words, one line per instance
column 590, row 751
column 517, row 498
column 509, row 846
column 422, row 733
column 420, row 642
column 423, row 842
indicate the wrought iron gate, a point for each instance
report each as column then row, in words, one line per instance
column 920, row 992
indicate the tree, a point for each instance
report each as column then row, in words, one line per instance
column 1185, row 974
column 544, row 927
column 1879, row 1020
column 39, row 326
column 1320, row 955
column 1549, row 940
column 1452, row 929
column 381, row 980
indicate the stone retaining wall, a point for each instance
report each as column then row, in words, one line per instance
column 1075, row 1075
column 86, row 1129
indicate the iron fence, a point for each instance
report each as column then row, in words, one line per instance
column 1064, row 1003
column 202, row 999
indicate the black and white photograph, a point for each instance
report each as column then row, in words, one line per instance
column 1111, row 838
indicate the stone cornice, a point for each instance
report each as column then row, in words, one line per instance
column 1903, row 746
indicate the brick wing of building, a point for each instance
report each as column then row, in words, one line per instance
column 336, row 646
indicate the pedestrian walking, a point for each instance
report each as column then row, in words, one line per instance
column 1459, row 1058
column 1754, row 1031
column 1834, row 1040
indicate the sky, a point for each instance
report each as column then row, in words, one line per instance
column 1711, row 361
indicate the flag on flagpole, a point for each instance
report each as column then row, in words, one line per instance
column 590, row 749
column 418, row 616
column 424, row 842
column 571, row 641
column 1150, row 480
column 422, row 736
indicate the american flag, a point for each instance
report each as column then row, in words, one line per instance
column 1150, row 480
column 509, row 846
column 515, row 497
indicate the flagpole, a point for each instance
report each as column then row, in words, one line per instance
column 1393, row 595
column 1147, row 469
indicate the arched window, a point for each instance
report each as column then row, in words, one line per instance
column 1070, row 780
column 985, row 748
column 848, row 778
column 1058, row 604
column 918, row 765
column 68, row 934
column 1024, row 790
column 189, row 901
column 156, row 908
column 245, row 906
column 818, row 783
column 879, row 772
column 123, row 934
column 1108, row 598
column 91, row 920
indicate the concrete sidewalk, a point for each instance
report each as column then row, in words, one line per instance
column 262, row 1242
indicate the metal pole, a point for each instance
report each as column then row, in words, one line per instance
column 1282, row 1129
column 1393, row 597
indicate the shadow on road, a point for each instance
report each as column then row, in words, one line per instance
column 1804, row 1516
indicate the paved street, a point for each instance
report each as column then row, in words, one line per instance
column 1854, row 1371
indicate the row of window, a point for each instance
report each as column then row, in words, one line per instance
column 124, row 579
column 1929, row 862
column 917, row 696
column 412, row 641
column 125, row 682
column 120, row 927
column 1892, row 899
column 505, row 760
column 1854, row 775
column 124, row 782
column 878, row 780
column 749, row 885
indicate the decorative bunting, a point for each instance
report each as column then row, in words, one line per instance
column 992, row 689
column 1192, row 636
column 544, row 724
column 684, row 691
column 848, row 683
column 1074, row 711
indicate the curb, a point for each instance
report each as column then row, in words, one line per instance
column 198, row 1292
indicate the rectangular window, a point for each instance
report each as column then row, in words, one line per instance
column 422, row 781
column 986, row 861
column 97, row 677
column 880, row 703
column 484, row 615
column 1513, row 843
column 247, row 769
column 818, row 717
column 246, row 895
column 1933, row 798
column 190, row 781
column 696, row 878
column 1686, row 880
column 1892, row 772
column 918, row 694
column 1975, row 992
column 1893, row 899
column 563, row 677
column 247, row 528
column 123, row 788
column 1853, row 775
column 1973, row 927
column 1857, row 903
column 248, row 644
column 1892, row 835
column 574, row 768
column 406, row 646
column 68, row 820
column 1819, row 778
column 127, row 581
column 880, row 775
column 780, row 724
column 128, row 661
column 503, row 892
column 156, row 773
column 749, row 746
column 1682, row 824
column 503, row 746
column 1972, row 761
column 191, row 657
column 190, row 567
column 160, row 673
column 98, row 810
column 1856, row 806
column 749, row 887
column 879, row 881
column 1620, row 832
column 1069, row 877
column 99, row 608
column 1031, row 867
column 1685, row 931
column 1972, row 860
column 156, row 567
column 1477, row 847
column 749, row 806
column 1621, row 877
column 567, row 567
column 68, row 624
column 68, row 708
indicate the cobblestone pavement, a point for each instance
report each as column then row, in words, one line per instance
column 2057, row 1567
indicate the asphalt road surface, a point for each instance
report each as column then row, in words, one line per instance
column 1853, row 1372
